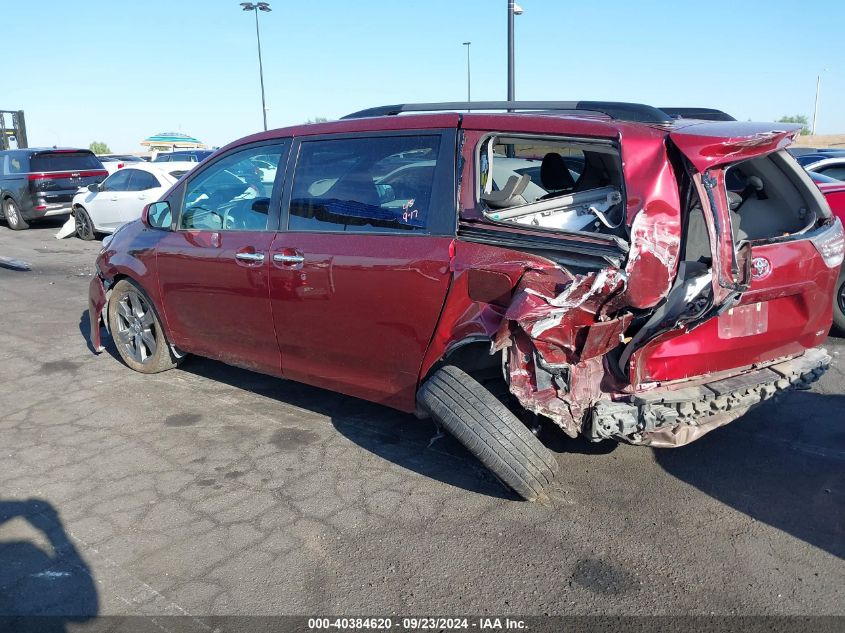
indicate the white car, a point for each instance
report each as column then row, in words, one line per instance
column 831, row 167
column 121, row 197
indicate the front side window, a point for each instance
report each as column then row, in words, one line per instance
column 118, row 181
column 234, row 193
column 364, row 185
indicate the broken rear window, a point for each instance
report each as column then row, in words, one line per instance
column 767, row 200
column 556, row 184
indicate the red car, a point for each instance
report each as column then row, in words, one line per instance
column 588, row 257
column 834, row 191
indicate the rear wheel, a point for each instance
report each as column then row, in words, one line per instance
column 839, row 305
column 489, row 430
column 83, row 223
column 137, row 331
column 13, row 216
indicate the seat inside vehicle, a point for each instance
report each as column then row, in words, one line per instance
column 555, row 184
column 764, row 200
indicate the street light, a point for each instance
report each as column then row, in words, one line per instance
column 816, row 106
column 469, row 75
column 513, row 9
column 255, row 8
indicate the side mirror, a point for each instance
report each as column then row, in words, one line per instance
column 157, row 215
column 94, row 188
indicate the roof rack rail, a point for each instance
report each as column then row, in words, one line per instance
column 614, row 109
column 702, row 114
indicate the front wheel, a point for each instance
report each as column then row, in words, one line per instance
column 83, row 223
column 13, row 216
column 489, row 430
column 137, row 331
column 839, row 305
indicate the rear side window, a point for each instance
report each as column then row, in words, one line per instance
column 142, row 180
column 364, row 185
column 552, row 183
column 64, row 161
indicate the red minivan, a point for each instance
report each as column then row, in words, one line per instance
column 575, row 265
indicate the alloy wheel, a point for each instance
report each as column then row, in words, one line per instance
column 135, row 327
column 11, row 213
column 841, row 298
column 83, row 225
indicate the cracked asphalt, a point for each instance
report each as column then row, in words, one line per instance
column 213, row 490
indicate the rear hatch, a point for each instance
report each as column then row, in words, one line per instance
column 56, row 176
column 761, row 257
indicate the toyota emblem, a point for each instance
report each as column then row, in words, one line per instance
column 760, row 268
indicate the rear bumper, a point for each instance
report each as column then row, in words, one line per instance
column 48, row 210
column 674, row 417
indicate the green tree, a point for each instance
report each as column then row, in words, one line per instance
column 98, row 147
column 797, row 118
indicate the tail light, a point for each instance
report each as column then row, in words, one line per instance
column 120, row 165
column 831, row 244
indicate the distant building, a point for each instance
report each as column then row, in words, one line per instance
column 170, row 141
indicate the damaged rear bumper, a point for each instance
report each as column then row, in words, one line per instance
column 674, row 417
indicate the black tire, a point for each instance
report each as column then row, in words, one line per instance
column 489, row 430
column 83, row 223
column 13, row 216
column 136, row 330
column 839, row 305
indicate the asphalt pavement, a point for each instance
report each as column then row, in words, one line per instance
column 213, row 490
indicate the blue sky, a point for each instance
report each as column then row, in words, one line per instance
column 120, row 71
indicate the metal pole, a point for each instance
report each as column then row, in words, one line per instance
column 469, row 74
column 260, row 69
column 816, row 106
column 511, row 90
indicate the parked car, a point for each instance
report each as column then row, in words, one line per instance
column 113, row 162
column 40, row 182
column 830, row 167
column 806, row 160
column 389, row 261
column 120, row 198
column 193, row 155
column 834, row 192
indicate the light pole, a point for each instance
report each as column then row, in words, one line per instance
column 255, row 8
column 816, row 106
column 469, row 74
column 513, row 9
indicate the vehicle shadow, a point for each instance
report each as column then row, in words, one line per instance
column 105, row 337
column 44, row 582
column 397, row 437
column 782, row 463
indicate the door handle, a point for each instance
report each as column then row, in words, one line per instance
column 288, row 259
column 250, row 257
column 142, row 197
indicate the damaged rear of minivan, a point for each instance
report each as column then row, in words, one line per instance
column 644, row 283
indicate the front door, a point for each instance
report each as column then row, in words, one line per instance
column 214, row 268
column 359, row 276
